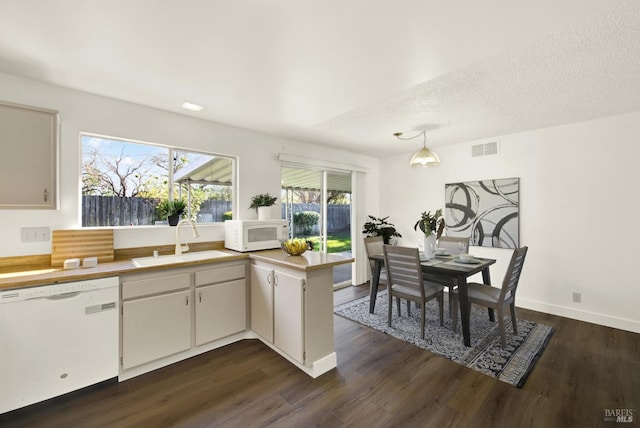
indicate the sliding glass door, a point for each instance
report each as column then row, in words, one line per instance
column 317, row 204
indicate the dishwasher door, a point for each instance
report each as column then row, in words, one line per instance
column 55, row 339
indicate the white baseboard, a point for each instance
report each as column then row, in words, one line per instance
column 592, row 317
column 313, row 369
column 171, row 359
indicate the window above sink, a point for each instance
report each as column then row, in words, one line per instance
column 123, row 181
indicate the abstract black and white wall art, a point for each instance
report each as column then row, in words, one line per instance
column 487, row 211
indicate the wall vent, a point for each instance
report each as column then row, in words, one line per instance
column 486, row 149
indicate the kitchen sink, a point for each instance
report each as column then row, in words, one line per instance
column 177, row 258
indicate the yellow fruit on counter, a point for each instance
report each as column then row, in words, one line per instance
column 294, row 247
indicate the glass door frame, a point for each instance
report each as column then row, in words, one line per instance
column 324, row 192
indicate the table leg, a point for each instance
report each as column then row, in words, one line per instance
column 465, row 310
column 377, row 268
column 486, row 279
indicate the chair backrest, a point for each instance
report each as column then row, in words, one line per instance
column 403, row 267
column 512, row 276
column 450, row 243
column 372, row 246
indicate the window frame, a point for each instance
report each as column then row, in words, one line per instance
column 171, row 185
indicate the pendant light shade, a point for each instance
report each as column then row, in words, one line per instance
column 424, row 157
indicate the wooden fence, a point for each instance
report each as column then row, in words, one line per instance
column 117, row 211
column 126, row 211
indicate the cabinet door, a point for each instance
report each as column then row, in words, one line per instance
column 289, row 315
column 262, row 302
column 155, row 327
column 29, row 140
column 220, row 310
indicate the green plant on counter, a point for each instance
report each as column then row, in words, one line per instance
column 170, row 208
column 262, row 200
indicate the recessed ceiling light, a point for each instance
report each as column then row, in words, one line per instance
column 192, row 106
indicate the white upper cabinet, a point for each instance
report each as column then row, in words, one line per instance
column 29, row 143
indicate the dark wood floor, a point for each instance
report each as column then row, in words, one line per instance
column 380, row 382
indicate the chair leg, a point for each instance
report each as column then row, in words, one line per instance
column 503, row 339
column 390, row 306
column 455, row 312
column 408, row 308
column 450, row 294
column 423, row 318
column 398, row 305
column 514, row 321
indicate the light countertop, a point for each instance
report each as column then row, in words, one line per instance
column 43, row 275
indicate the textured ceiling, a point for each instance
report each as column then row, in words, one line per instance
column 341, row 73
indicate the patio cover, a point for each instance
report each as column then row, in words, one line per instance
column 218, row 171
column 309, row 179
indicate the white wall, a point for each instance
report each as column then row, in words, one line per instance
column 578, row 211
column 259, row 167
column 576, row 183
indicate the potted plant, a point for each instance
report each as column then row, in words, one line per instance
column 380, row 227
column 172, row 209
column 262, row 204
column 432, row 226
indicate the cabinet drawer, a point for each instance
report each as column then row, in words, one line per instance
column 155, row 285
column 221, row 274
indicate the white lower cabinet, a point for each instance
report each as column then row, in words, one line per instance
column 220, row 311
column 277, row 309
column 154, row 327
column 262, row 301
column 174, row 314
column 292, row 312
column 288, row 315
column 178, row 313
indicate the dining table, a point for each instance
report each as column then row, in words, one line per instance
column 443, row 268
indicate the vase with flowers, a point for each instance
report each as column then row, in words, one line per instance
column 432, row 226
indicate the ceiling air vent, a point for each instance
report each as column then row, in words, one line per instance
column 485, row 149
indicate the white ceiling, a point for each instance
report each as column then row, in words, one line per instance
column 344, row 73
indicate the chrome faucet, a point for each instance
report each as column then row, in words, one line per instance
column 184, row 248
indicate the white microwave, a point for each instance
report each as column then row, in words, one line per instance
column 253, row 235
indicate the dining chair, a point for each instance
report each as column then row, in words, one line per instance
column 494, row 297
column 405, row 282
column 452, row 245
column 372, row 246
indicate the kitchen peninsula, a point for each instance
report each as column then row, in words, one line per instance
column 284, row 301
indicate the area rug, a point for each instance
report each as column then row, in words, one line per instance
column 511, row 364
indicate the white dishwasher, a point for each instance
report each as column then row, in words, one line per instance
column 57, row 338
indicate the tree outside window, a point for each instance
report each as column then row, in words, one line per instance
column 123, row 182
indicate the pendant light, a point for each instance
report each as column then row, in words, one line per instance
column 424, row 157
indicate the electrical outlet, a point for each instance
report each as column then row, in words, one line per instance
column 35, row 234
column 577, row 297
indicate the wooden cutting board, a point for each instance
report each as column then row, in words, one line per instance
column 71, row 244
